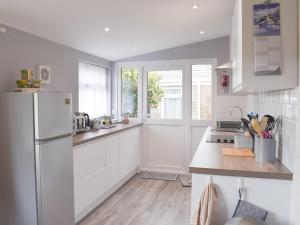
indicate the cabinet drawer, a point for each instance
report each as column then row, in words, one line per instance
column 89, row 189
column 88, row 159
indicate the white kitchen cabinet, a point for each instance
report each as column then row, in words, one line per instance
column 113, row 160
column 102, row 166
column 130, row 146
column 89, row 189
column 242, row 47
column 88, row 158
column 90, row 173
column 258, row 191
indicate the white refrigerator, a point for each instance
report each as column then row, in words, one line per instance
column 36, row 159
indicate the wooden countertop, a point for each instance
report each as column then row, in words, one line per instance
column 86, row 137
column 208, row 159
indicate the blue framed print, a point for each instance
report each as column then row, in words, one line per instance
column 267, row 40
column 266, row 19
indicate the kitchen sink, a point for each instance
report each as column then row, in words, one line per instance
column 229, row 126
column 233, row 124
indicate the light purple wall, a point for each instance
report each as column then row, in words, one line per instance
column 20, row 50
column 217, row 48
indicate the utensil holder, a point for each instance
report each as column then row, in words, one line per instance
column 265, row 149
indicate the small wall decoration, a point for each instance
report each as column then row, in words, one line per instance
column 44, row 74
column 267, row 40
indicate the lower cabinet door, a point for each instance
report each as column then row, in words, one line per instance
column 89, row 189
column 88, row 158
column 130, row 146
column 113, row 160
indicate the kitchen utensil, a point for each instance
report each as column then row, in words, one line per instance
column 252, row 131
column 266, row 135
column 271, row 122
column 245, row 121
column 252, row 115
column 277, row 126
column 248, row 127
column 264, row 122
column 255, row 125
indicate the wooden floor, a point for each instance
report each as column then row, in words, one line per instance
column 144, row 202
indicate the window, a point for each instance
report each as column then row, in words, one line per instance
column 165, row 94
column 129, row 92
column 93, row 90
column 202, row 92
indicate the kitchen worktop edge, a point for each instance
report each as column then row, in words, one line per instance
column 208, row 159
column 87, row 137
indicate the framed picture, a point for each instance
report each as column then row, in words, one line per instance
column 266, row 19
column 44, row 74
column 267, row 40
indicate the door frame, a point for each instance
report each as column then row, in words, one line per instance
column 186, row 120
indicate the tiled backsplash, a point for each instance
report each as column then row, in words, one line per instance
column 287, row 104
column 224, row 106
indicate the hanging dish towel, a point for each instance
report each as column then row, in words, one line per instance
column 206, row 213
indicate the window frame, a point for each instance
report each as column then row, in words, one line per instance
column 213, row 62
column 213, row 91
column 142, row 66
column 119, row 90
column 108, row 83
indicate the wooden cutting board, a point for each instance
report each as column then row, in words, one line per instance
column 241, row 152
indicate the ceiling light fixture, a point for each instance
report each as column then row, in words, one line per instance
column 196, row 6
column 106, row 29
column 201, row 32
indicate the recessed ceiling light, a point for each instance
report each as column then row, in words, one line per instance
column 201, row 32
column 135, row 48
column 196, row 6
column 106, row 29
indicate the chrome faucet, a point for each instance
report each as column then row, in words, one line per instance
column 237, row 107
column 242, row 113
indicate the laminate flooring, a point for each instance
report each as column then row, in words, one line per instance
column 144, row 202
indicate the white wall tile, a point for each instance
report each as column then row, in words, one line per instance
column 287, row 104
column 224, row 105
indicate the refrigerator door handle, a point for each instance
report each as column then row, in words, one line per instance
column 43, row 141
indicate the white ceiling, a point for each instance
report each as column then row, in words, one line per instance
column 151, row 25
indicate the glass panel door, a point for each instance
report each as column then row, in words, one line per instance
column 164, row 94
